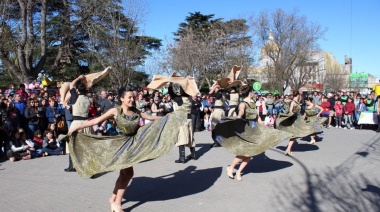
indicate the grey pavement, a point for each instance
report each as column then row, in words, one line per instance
column 340, row 173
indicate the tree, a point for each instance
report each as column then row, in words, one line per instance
column 207, row 48
column 115, row 42
column 336, row 78
column 38, row 35
column 289, row 42
column 197, row 24
column 70, row 37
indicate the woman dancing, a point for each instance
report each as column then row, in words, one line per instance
column 93, row 155
column 313, row 117
column 244, row 137
column 294, row 124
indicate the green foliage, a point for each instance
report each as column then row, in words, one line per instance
column 198, row 23
column 208, row 48
column 6, row 80
column 82, row 36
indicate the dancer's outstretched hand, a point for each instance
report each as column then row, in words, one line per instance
column 71, row 131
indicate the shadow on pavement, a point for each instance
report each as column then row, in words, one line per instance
column 171, row 186
column 308, row 138
column 303, row 147
column 364, row 154
column 261, row 164
column 203, row 148
column 373, row 189
column 336, row 190
column 341, row 188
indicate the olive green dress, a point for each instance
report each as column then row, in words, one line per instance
column 244, row 137
column 218, row 112
column 312, row 119
column 93, row 154
column 295, row 124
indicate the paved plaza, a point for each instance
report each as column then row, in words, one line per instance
column 340, row 173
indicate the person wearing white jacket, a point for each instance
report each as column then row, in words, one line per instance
column 262, row 107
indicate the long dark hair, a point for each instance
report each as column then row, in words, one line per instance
column 122, row 91
column 295, row 93
column 245, row 91
column 309, row 99
column 13, row 134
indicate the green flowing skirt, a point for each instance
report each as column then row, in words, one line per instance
column 241, row 138
column 296, row 126
column 93, row 154
column 316, row 122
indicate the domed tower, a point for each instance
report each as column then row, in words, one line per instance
column 269, row 49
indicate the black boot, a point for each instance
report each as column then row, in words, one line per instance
column 70, row 168
column 181, row 155
column 192, row 154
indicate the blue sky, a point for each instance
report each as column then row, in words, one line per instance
column 353, row 25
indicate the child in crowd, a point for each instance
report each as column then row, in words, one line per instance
column 100, row 129
column 148, row 111
column 29, row 146
column 338, row 107
column 51, row 146
column 38, row 142
column 206, row 118
column 269, row 121
column 112, row 128
column 359, row 109
column 53, row 129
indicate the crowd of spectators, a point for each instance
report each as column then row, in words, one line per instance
column 30, row 121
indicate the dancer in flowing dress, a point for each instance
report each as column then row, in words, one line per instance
column 183, row 102
column 246, row 136
column 92, row 155
column 294, row 123
column 313, row 113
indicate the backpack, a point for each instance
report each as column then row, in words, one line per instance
column 62, row 125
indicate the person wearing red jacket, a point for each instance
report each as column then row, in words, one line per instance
column 23, row 94
column 325, row 110
column 349, row 109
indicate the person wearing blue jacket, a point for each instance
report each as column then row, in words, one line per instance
column 19, row 104
column 51, row 112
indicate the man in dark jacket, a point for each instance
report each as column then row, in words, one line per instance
column 331, row 99
column 195, row 109
column 107, row 104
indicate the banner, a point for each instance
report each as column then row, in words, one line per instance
column 359, row 80
column 368, row 118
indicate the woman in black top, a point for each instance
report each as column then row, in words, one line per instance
column 32, row 115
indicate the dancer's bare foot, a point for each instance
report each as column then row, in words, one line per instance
column 112, row 199
column 116, row 208
column 238, row 176
column 230, row 172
